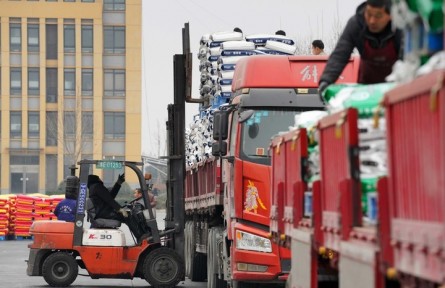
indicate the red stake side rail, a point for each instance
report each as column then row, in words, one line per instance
column 289, row 153
column 416, row 179
column 202, row 187
column 296, row 148
column 278, row 180
column 339, row 195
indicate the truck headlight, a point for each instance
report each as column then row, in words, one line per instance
column 247, row 241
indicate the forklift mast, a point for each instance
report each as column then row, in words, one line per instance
column 176, row 146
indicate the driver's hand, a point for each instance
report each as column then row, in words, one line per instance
column 121, row 179
column 123, row 212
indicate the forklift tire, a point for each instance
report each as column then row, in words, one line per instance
column 60, row 269
column 163, row 268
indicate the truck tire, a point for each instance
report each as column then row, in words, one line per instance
column 195, row 263
column 214, row 240
column 188, row 236
column 163, row 268
column 60, row 269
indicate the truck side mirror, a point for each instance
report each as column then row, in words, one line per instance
column 219, row 150
column 220, row 125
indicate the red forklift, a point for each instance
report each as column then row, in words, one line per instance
column 59, row 248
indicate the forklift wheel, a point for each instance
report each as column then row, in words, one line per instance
column 163, row 267
column 60, row 269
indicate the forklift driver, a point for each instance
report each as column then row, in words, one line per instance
column 105, row 207
column 139, row 201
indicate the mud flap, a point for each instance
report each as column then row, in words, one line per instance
column 33, row 262
column 301, row 270
column 357, row 266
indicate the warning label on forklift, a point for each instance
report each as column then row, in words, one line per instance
column 82, row 198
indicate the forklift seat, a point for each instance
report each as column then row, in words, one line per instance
column 100, row 222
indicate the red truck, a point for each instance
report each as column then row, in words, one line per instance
column 404, row 247
column 228, row 200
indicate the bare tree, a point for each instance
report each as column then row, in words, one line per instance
column 73, row 130
column 304, row 43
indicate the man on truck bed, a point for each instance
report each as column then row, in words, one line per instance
column 379, row 45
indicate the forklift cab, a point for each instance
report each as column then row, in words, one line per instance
column 142, row 223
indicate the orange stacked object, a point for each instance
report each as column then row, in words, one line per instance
column 12, row 199
column 43, row 208
column 4, row 218
column 55, row 199
column 18, row 212
column 24, row 214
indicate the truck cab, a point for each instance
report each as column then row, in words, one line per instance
column 269, row 91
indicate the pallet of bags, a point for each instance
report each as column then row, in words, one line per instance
column 367, row 100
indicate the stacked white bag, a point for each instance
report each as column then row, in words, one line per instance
column 199, row 138
column 218, row 55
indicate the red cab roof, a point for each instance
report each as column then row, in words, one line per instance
column 264, row 71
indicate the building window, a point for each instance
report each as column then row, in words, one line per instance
column 114, row 39
column 33, row 81
column 69, row 87
column 89, row 1
column 87, row 82
column 51, row 128
column 69, row 38
column 87, row 124
column 33, row 124
column 51, row 85
column 114, row 5
column 16, row 124
column 15, row 33
column 114, row 83
column 33, row 37
column 87, row 38
column 69, row 123
column 16, row 81
column 114, row 125
column 51, row 41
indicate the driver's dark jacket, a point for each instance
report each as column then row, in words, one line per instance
column 103, row 200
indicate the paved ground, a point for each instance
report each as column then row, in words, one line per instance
column 13, row 254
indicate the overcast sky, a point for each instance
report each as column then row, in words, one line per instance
column 163, row 20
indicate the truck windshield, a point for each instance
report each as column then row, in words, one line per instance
column 258, row 131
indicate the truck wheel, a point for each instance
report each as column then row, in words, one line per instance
column 197, row 261
column 188, row 231
column 198, row 270
column 213, row 242
column 163, row 267
column 60, row 269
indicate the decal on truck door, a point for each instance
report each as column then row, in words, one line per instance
column 253, row 199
